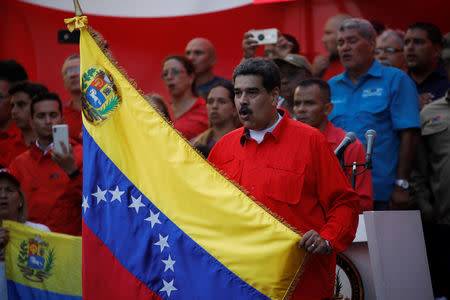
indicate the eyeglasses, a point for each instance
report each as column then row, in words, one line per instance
column 73, row 70
column 387, row 50
column 173, row 71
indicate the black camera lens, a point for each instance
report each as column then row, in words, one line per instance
column 261, row 37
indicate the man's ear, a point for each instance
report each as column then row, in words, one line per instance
column 328, row 109
column 275, row 94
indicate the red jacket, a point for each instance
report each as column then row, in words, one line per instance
column 194, row 121
column 10, row 148
column 294, row 173
column 354, row 152
column 53, row 198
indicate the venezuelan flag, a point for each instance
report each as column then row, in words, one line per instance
column 41, row 264
column 158, row 220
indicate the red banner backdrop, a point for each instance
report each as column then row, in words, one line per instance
column 29, row 33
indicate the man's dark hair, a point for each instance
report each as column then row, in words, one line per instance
column 434, row 34
column 322, row 84
column 188, row 66
column 46, row 97
column 295, row 44
column 32, row 89
column 12, row 71
column 379, row 27
column 266, row 69
column 226, row 85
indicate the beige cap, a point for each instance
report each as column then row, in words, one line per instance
column 295, row 60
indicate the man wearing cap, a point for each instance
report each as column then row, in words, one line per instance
column 293, row 68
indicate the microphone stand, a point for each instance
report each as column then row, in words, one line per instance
column 354, row 172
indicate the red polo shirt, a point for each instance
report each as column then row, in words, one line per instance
column 72, row 117
column 194, row 121
column 294, row 173
column 53, row 198
column 11, row 148
column 12, row 131
column 354, row 152
column 335, row 68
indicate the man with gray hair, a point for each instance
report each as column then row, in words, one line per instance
column 389, row 51
column 371, row 96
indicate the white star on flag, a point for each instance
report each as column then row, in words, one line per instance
column 168, row 264
column 137, row 203
column 116, row 194
column 100, row 195
column 168, row 287
column 85, row 204
column 162, row 243
column 154, row 219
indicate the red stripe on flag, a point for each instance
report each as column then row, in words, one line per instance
column 104, row 277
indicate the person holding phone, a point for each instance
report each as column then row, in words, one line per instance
column 51, row 180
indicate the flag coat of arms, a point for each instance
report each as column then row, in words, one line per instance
column 159, row 221
column 41, row 264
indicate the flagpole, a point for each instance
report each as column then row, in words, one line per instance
column 78, row 11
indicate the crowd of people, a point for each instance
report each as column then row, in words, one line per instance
column 272, row 128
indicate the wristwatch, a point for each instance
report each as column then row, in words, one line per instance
column 403, row 183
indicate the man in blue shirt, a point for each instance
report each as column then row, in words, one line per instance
column 371, row 96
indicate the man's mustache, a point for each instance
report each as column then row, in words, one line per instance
column 245, row 110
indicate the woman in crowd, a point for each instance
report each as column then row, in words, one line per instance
column 13, row 206
column 189, row 110
column 222, row 116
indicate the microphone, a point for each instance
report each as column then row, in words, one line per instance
column 350, row 137
column 370, row 138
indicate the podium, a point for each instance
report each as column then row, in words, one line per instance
column 389, row 255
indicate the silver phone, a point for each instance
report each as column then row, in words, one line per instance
column 60, row 134
column 265, row 36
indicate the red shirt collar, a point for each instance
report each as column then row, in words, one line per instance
column 276, row 133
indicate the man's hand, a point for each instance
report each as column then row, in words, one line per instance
column 313, row 243
column 65, row 160
column 4, row 237
column 283, row 47
column 249, row 45
column 424, row 99
column 399, row 199
column 320, row 65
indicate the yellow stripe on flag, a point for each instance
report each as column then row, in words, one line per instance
column 43, row 260
column 187, row 189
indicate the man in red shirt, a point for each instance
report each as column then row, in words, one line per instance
column 289, row 167
column 51, row 181
column 10, row 72
column 312, row 105
column 72, row 110
column 21, row 95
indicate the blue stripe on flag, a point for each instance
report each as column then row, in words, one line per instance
column 19, row 291
column 145, row 241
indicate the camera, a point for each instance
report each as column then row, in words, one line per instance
column 265, row 36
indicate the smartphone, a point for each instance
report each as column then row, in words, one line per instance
column 67, row 37
column 265, row 36
column 60, row 134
